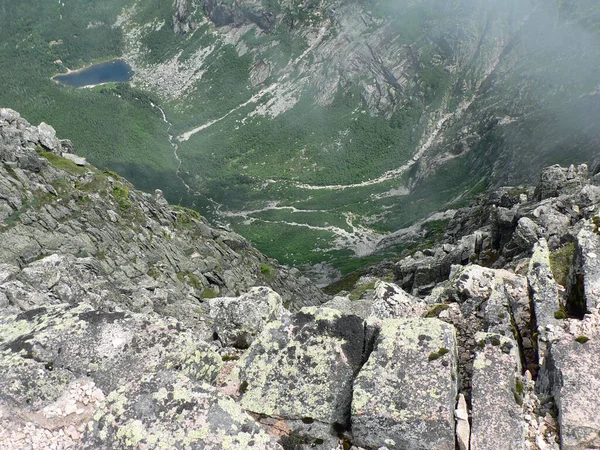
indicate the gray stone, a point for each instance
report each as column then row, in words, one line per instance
column 76, row 159
column 391, row 302
column 302, row 367
column 585, row 287
column 237, row 321
column 544, row 290
column 47, row 136
column 572, row 373
column 405, row 395
column 497, row 395
column 463, row 429
column 168, row 410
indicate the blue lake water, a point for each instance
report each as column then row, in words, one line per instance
column 115, row 71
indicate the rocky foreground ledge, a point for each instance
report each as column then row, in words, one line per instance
column 128, row 323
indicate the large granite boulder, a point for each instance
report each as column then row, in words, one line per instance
column 300, row 369
column 237, row 321
column 75, row 376
column 544, row 293
column 497, row 395
column 571, row 375
column 405, row 395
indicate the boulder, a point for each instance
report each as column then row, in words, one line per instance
column 544, row 292
column 47, row 136
column 168, row 410
column 301, row 368
column 390, row 301
column 42, row 350
column 405, row 395
column 78, row 160
column 572, row 375
column 556, row 180
column 497, row 395
column 237, row 321
column 114, row 380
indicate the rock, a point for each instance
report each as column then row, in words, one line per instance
column 556, row 180
column 167, row 410
column 544, row 291
column 390, row 301
column 301, row 369
column 584, row 290
column 572, row 376
column 524, row 237
column 405, row 395
column 360, row 308
column 463, row 429
column 76, row 159
column 497, row 395
column 8, row 115
column 47, row 136
column 44, row 349
column 237, row 321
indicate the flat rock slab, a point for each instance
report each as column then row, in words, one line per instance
column 302, row 367
column 497, row 395
column 78, row 160
column 405, row 395
column 43, row 350
column 574, row 372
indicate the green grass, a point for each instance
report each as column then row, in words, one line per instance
column 561, row 261
column 58, row 162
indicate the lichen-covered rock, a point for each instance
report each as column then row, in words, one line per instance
column 405, row 395
column 43, row 350
column 544, row 292
column 497, row 395
column 237, row 321
column 167, row 410
column 301, row 368
column 572, row 374
column 391, row 302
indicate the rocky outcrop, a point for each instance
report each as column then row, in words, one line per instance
column 301, row 370
column 113, row 380
column 90, row 236
column 571, row 376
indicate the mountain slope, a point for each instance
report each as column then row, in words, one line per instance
column 331, row 124
column 73, row 233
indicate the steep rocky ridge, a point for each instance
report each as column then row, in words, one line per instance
column 71, row 231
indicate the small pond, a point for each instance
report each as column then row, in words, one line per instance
column 115, row 71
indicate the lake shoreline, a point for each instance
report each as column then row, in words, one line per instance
column 110, row 71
